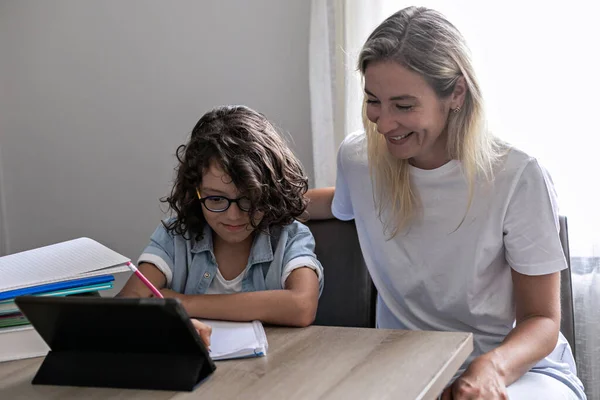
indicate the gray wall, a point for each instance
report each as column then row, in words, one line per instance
column 95, row 96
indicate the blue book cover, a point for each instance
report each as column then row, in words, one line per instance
column 56, row 286
column 9, row 306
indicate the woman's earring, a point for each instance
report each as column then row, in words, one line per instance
column 456, row 110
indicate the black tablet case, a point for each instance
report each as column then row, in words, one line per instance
column 117, row 342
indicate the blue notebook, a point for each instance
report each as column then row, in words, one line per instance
column 9, row 306
column 56, row 286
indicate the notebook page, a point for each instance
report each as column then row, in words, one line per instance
column 57, row 262
column 235, row 339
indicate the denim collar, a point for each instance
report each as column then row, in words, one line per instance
column 205, row 243
column 261, row 250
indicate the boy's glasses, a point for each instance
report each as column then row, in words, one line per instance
column 222, row 203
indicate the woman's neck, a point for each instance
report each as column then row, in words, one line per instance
column 435, row 157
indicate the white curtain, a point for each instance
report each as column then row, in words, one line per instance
column 322, row 85
column 537, row 62
column 338, row 28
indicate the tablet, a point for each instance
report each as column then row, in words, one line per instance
column 145, row 343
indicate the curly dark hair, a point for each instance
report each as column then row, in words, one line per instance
column 249, row 149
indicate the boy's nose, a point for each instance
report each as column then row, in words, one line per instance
column 234, row 212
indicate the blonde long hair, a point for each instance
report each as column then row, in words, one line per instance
column 424, row 41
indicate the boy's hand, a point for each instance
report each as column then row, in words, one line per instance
column 171, row 294
column 203, row 330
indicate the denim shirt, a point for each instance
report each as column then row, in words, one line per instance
column 190, row 265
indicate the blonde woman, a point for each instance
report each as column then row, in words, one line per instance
column 459, row 230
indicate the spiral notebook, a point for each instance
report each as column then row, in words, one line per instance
column 231, row 340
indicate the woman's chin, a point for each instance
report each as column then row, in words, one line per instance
column 401, row 152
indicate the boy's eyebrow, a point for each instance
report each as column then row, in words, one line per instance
column 209, row 189
column 395, row 98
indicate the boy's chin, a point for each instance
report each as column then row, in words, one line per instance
column 235, row 238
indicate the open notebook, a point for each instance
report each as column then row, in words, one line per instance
column 237, row 339
column 73, row 259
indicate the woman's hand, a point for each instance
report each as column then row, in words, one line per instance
column 203, row 330
column 480, row 381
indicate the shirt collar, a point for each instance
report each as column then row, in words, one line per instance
column 261, row 250
column 206, row 242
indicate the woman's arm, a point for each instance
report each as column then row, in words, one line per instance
column 534, row 252
column 136, row 288
column 537, row 301
column 319, row 203
column 296, row 305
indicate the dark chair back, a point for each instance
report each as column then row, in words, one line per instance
column 348, row 297
column 567, row 323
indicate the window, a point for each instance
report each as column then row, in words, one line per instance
column 537, row 62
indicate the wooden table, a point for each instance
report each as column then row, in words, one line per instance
column 311, row 363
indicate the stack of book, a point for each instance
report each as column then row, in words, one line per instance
column 76, row 267
column 10, row 315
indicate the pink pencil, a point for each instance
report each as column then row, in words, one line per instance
column 144, row 280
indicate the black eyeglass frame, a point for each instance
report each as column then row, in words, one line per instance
column 229, row 202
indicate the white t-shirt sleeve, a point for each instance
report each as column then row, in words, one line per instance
column 160, row 263
column 300, row 262
column 531, row 227
column 160, row 252
column 341, row 207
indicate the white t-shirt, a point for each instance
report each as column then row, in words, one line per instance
column 443, row 275
column 220, row 285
